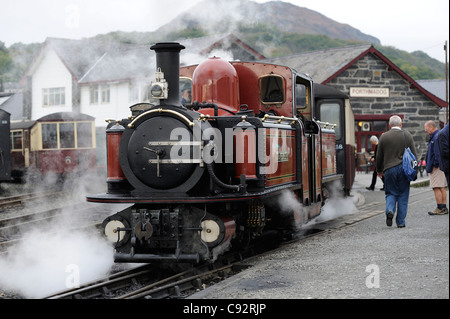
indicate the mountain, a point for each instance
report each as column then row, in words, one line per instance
column 286, row 17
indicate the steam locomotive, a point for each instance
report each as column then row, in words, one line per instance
column 222, row 170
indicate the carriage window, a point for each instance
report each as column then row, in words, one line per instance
column 16, row 140
column 67, row 135
column 331, row 112
column 49, row 136
column 271, row 89
column 84, row 134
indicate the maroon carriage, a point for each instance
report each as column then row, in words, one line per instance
column 59, row 143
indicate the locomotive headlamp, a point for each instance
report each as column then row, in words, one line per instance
column 215, row 230
column 210, row 231
column 159, row 88
column 112, row 230
column 116, row 230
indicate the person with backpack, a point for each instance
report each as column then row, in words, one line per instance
column 389, row 164
column 444, row 151
column 437, row 177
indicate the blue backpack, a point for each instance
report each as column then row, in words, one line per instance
column 410, row 165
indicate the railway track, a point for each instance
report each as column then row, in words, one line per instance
column 18, row 200
column 142, row 282
column 12, row 229
column 102, row 288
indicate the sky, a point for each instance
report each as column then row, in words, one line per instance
column 408, row 25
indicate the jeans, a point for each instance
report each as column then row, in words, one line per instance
column 396, row 189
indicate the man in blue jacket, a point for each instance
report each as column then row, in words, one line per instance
column 437, row 177
column 444, row 151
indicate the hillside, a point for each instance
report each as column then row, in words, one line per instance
column 229, row 15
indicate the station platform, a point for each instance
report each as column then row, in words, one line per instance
column 365, row 260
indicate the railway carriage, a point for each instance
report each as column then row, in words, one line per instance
column 5, row 157
column 59, row 143
column 220, row 170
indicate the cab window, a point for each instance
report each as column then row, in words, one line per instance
column 271, row 89
column 331, row 113
column 185, row 90
column 300, row 96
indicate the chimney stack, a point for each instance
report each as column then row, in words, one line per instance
column 168, row 60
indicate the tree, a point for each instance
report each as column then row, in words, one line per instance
column 5, row 60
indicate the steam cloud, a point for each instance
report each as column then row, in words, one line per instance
column 52, row 257
column 219, row 250
column 335, row 206
column 50, row 260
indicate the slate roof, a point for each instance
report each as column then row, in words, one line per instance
column 121, row 64
column 4, row 97
column 321, row 64
column 13, row 104
column 78, row 55
column 324, row 65
column 95, row 61
column 437, row 87
column 230, row 42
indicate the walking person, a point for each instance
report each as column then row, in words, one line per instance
column 437, row 177
column 374, row 140
column 444, row 151
column 389, row 162
column 422, row 166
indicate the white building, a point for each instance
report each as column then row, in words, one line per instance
column 88, row 77
column 51, row 85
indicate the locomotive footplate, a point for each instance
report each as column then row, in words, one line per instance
column 147, row 258
column 185, row 199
